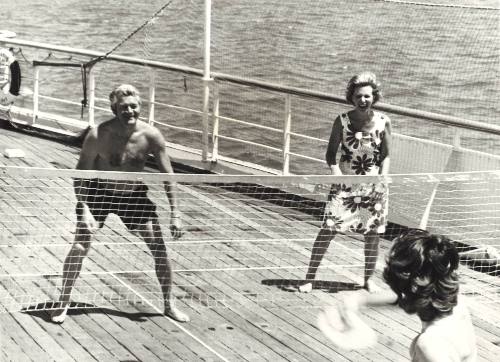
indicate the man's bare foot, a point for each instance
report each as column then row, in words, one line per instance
column 372, row 287
column 176, row 314
column 306, row 288
column 59, row 315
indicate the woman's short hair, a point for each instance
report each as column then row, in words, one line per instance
column 361, row 80
column 421, row 270
column 123, row 90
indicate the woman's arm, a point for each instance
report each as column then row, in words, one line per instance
column 333, row 146
column 385, row 148
column 357, row 300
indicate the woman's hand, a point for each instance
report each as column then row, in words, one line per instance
column 353, row 301
column 336, row 170
column 176, row 227
column 345, row 328
column 87, row 220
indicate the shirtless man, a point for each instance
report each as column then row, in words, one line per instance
column 121, row 144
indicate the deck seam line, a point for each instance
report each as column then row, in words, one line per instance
column 178, row 325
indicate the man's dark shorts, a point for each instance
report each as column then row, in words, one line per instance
column 134, row 208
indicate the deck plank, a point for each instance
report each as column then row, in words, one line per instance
column 117, row 334
column 70, row 339
column 295, row 331
column 209, row 316
column 233, row 311
column 18, row 342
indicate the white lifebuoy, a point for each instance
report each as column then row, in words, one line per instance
column 7, row 34
column 10, row 77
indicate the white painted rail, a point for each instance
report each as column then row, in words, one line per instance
column 213, row 82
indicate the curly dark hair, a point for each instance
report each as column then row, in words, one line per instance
column 421, row 270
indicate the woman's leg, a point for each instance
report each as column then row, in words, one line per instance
column 320, row 246
column 371, row 255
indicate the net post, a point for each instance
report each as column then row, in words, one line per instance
column 215, row 121
column 457, row 138
column 206, row 111
column 206, row 79
column 36, row 90
column 91, row 113
column 286, row 134
column 151, row 99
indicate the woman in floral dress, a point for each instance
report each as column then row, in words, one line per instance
column 364, row 139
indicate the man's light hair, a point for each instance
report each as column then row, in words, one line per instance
column 121, row 91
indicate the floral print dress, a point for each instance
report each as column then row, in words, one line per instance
column 359, row 208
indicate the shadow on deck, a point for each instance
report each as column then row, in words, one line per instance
column 240, row 292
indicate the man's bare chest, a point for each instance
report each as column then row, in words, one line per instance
column 130, row 155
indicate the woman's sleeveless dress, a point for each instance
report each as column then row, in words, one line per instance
column 359, row 208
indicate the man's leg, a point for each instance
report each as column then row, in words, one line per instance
column 371, row 255
column 152, row 235
column 321, row 244
column 71, row 270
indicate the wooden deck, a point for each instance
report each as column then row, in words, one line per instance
column 238, row 313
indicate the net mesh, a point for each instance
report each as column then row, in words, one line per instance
column 314, row 48
column 446, row 62
column 247, row 239
column 417, row 62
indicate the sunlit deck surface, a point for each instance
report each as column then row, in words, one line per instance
column 243, row 329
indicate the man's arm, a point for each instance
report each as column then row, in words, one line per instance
column 165, row 166
column 86, row 161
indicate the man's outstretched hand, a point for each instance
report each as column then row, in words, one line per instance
column 176, row 227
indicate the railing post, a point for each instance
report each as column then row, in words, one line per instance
column 151, row 99
column 286, row 134
column 215, row 121
column 206, row 80
column 36, row 89
column 206, row 113
column 457, row 138
column 91, row 83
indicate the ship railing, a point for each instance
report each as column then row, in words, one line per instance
column 210, row 152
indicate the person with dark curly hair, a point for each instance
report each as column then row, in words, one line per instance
column 421, row 271
column 363, row 136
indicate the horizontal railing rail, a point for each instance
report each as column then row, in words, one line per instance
column 404, row 111
column 218, row 79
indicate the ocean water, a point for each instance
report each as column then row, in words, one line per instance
column 434, row 58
